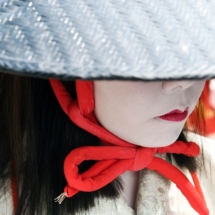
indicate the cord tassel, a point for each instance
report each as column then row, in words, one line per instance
column 61, row 197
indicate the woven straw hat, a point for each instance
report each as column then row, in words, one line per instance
column 123, row 39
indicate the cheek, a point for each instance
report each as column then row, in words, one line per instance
column 106, row 103
column 119, row 107
column 197, row 89
column 112, row 103
column 194, row 94
column 200, row 85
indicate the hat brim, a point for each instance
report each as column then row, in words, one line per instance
column 206, row 73
column 138, row 40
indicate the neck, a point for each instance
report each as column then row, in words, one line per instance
column 130, row 181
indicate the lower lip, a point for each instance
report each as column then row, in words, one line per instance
column 175, row 117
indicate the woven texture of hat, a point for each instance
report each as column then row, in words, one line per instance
column 143, row 39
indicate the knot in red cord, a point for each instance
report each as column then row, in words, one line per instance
column 142, row 158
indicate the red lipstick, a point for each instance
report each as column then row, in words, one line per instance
column 175, row 115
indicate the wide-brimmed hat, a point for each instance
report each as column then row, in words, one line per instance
column 123, row 39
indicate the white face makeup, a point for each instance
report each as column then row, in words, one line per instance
column 150, row 114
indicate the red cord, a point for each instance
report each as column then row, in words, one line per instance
column 197, row 185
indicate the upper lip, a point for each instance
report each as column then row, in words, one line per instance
column 177, row 111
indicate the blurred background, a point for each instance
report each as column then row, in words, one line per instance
column 202, row 120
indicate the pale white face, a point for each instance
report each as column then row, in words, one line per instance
column 139, row 112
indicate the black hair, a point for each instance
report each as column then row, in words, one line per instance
column 35, row 137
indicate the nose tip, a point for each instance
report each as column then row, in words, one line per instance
column 171, row 86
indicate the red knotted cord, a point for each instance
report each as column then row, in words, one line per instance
column 197, row 185
column 120, row 156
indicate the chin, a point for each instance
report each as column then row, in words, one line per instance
column 166, row 143
column 167, row 140
column 158, row 140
